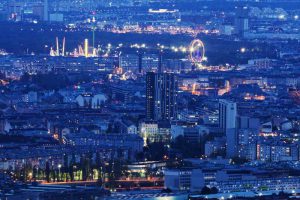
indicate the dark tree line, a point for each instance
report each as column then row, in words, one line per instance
column 54, row 81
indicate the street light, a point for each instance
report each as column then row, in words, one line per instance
column 243, row 50
column 59, row 166
column 30, row 176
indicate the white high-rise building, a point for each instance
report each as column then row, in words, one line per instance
column 227, row 114
column 227, row 121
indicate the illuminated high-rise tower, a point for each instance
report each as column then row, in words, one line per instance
column 161, row 95
column 227, row 122
column 227, row 114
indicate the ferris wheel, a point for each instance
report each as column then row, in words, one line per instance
column 197, row 52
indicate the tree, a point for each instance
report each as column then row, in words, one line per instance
column 47, row 171
column 71, row 167
column 34, row 173
column 214, row 190
column 139, row 156
column 83, row 163
column 156, row 151
column 99, row 167
column 239, row 160
column 85, row 166
column 25, row 78
column 205, row 190
column 71, row 172
column 109, row 128
column 187, row 148
column 50, row 81
column 2, row 75
column 66, row 163
column 167, row 190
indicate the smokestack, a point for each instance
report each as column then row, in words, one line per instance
column 57, row 47
column 63, row 47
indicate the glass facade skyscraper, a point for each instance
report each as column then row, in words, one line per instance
column 161, row 96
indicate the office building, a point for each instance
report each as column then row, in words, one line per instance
column 241, row 21
column 227, row 114
column 229, row 180
column 227, row 122
column 161, row 94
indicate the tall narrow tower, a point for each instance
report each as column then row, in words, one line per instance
column 86, row 48
column 227, row 122
column 161, row 96
column 63, row 47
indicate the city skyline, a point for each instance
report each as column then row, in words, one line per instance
column 149, row 99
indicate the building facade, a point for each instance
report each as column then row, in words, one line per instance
column 161, row 95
